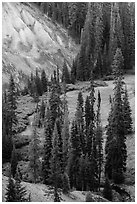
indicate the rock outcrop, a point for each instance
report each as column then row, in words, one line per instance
column 30, row 40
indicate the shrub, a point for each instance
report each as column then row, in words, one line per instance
column 89, row 197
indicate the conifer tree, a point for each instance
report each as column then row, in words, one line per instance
column 56, row 194
column 47, row 148
column 116, row 32
column 91, row 145
column 92, row 97
column 30, row 84
column 12, row 106
column 117, row 64
column 65, row 14
column 14, row 161
column 65, row 130
column 60, row 144
column 108, row 164
column 91, row 119
column 99, row 140
column 75, row 139
column 35, row 94
column 73, row 72
column 9, row 118
column 21, row 192
column 92, row 169
column 116, row 153
column 91, row 41
column 88, row 39
column 79, row 116
column 11, row 191
column 127, row 113
column 66, row 183
column 74, row 156
column 55, row 103
column 87, row 114
column 107, row 192
column 114, row 162
column 128, row 26
column 43, row 81
column 64, row 101
column 99, row 66
column 7, row 145
column 105, row 68
column 15, row 191
column 34, row 162
column 80, row 68
column 55, row 165
column 118, row 161
column 112, row 38
column 90, row 139
column 42, row 110
column 83, row 163
column 65, row 137
column 99, row 27
column 109, row 130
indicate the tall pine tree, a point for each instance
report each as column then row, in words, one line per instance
column 11, row 192
column 127, row 113
column 14, row 161
column 116, row 153
column 47, row 148
column 34, row 162
column 65, row 132
column 99, row 140
column 12, row 106
column 74, row 156
column 55, row 103
column 43, row 81
column 79, row 117
column 15, row 191
column 7, row 145
column 21, row 193
column 56, row 168
column 87, row 114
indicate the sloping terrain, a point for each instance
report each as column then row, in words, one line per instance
column 106, row 91
column 30, row 40
column 38, row 190
column 43, row 193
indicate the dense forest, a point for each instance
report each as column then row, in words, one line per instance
column 72, row 156
column 100, row 28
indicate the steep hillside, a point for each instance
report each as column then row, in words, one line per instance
column 30, row 40
column 42, row 193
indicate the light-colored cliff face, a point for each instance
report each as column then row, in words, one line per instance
column 30, row 40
